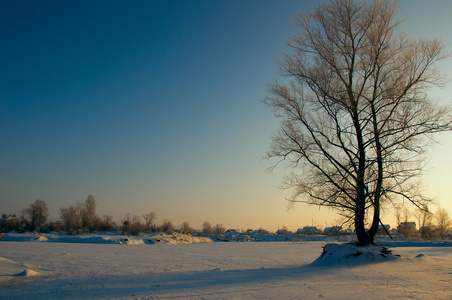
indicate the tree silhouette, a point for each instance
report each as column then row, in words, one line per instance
column 356, row 118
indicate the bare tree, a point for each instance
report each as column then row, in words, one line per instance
column 207, row 228
column 106, row 223
column 219, row 229
column 398, row 214
column 89, row 213
column 136, row 226
column 406, row 215
column 424, row 217
column 71, row 218
column 185, row 228
column 167, row 226
column 36, row 215
column 356, row 118
column 126, row 224
column 406, row 229
column 443, row 222
column 149, row 220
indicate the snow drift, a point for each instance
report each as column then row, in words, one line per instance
column 12, row 272
column 349, row 254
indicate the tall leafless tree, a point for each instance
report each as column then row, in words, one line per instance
column 106, row 223
column 36, row 215
column 167, row 226
column 424, row 217
column 356, row 118
column 89, row 213
column 219, row 229
column 185, row 228
column 149, row 219
column 444, row 223
column 207, row 228
column 71, row 218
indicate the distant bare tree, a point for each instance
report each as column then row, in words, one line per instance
column 418, row 215
column 36, row 215
column 89, row 213
column 167, row 226
column 398, row 214
column 405, row 228
column 136, row 226
column 126, row 224
column 219, row 229
column 71, row 217
column 443, row 222
column 106, row 223
column 185, row 228
column 424, row 217
column 149, row 219
column 356, row 119
column 207, row 228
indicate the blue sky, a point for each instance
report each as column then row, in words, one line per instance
column 156, row 106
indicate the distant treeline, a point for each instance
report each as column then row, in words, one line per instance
column 82, row 217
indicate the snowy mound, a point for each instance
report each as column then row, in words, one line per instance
column 27, row 273
column 132, row 241
column 9, row 267
column 40, row 238
column 181, row 238
column 12, row 272
column 348, row 254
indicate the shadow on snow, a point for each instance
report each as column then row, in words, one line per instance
column 166, row 284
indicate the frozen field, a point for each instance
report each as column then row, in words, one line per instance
column 259, row 270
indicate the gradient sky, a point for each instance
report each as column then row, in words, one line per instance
column 156, row 106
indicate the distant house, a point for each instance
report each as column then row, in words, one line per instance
column 308, row 230
column 261, row 231
column 406, row 225
column 283, row 231
column 232, row 232
column 381, row 230
column 9, row 218
column 407, row 229
column 332, row 230
column 10, row 222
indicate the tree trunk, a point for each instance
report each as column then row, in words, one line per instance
column 364, row 237
column 377, row 194
column 360, row 201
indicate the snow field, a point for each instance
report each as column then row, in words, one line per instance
column 270, row 270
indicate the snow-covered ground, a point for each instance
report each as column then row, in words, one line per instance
column 109, row 267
